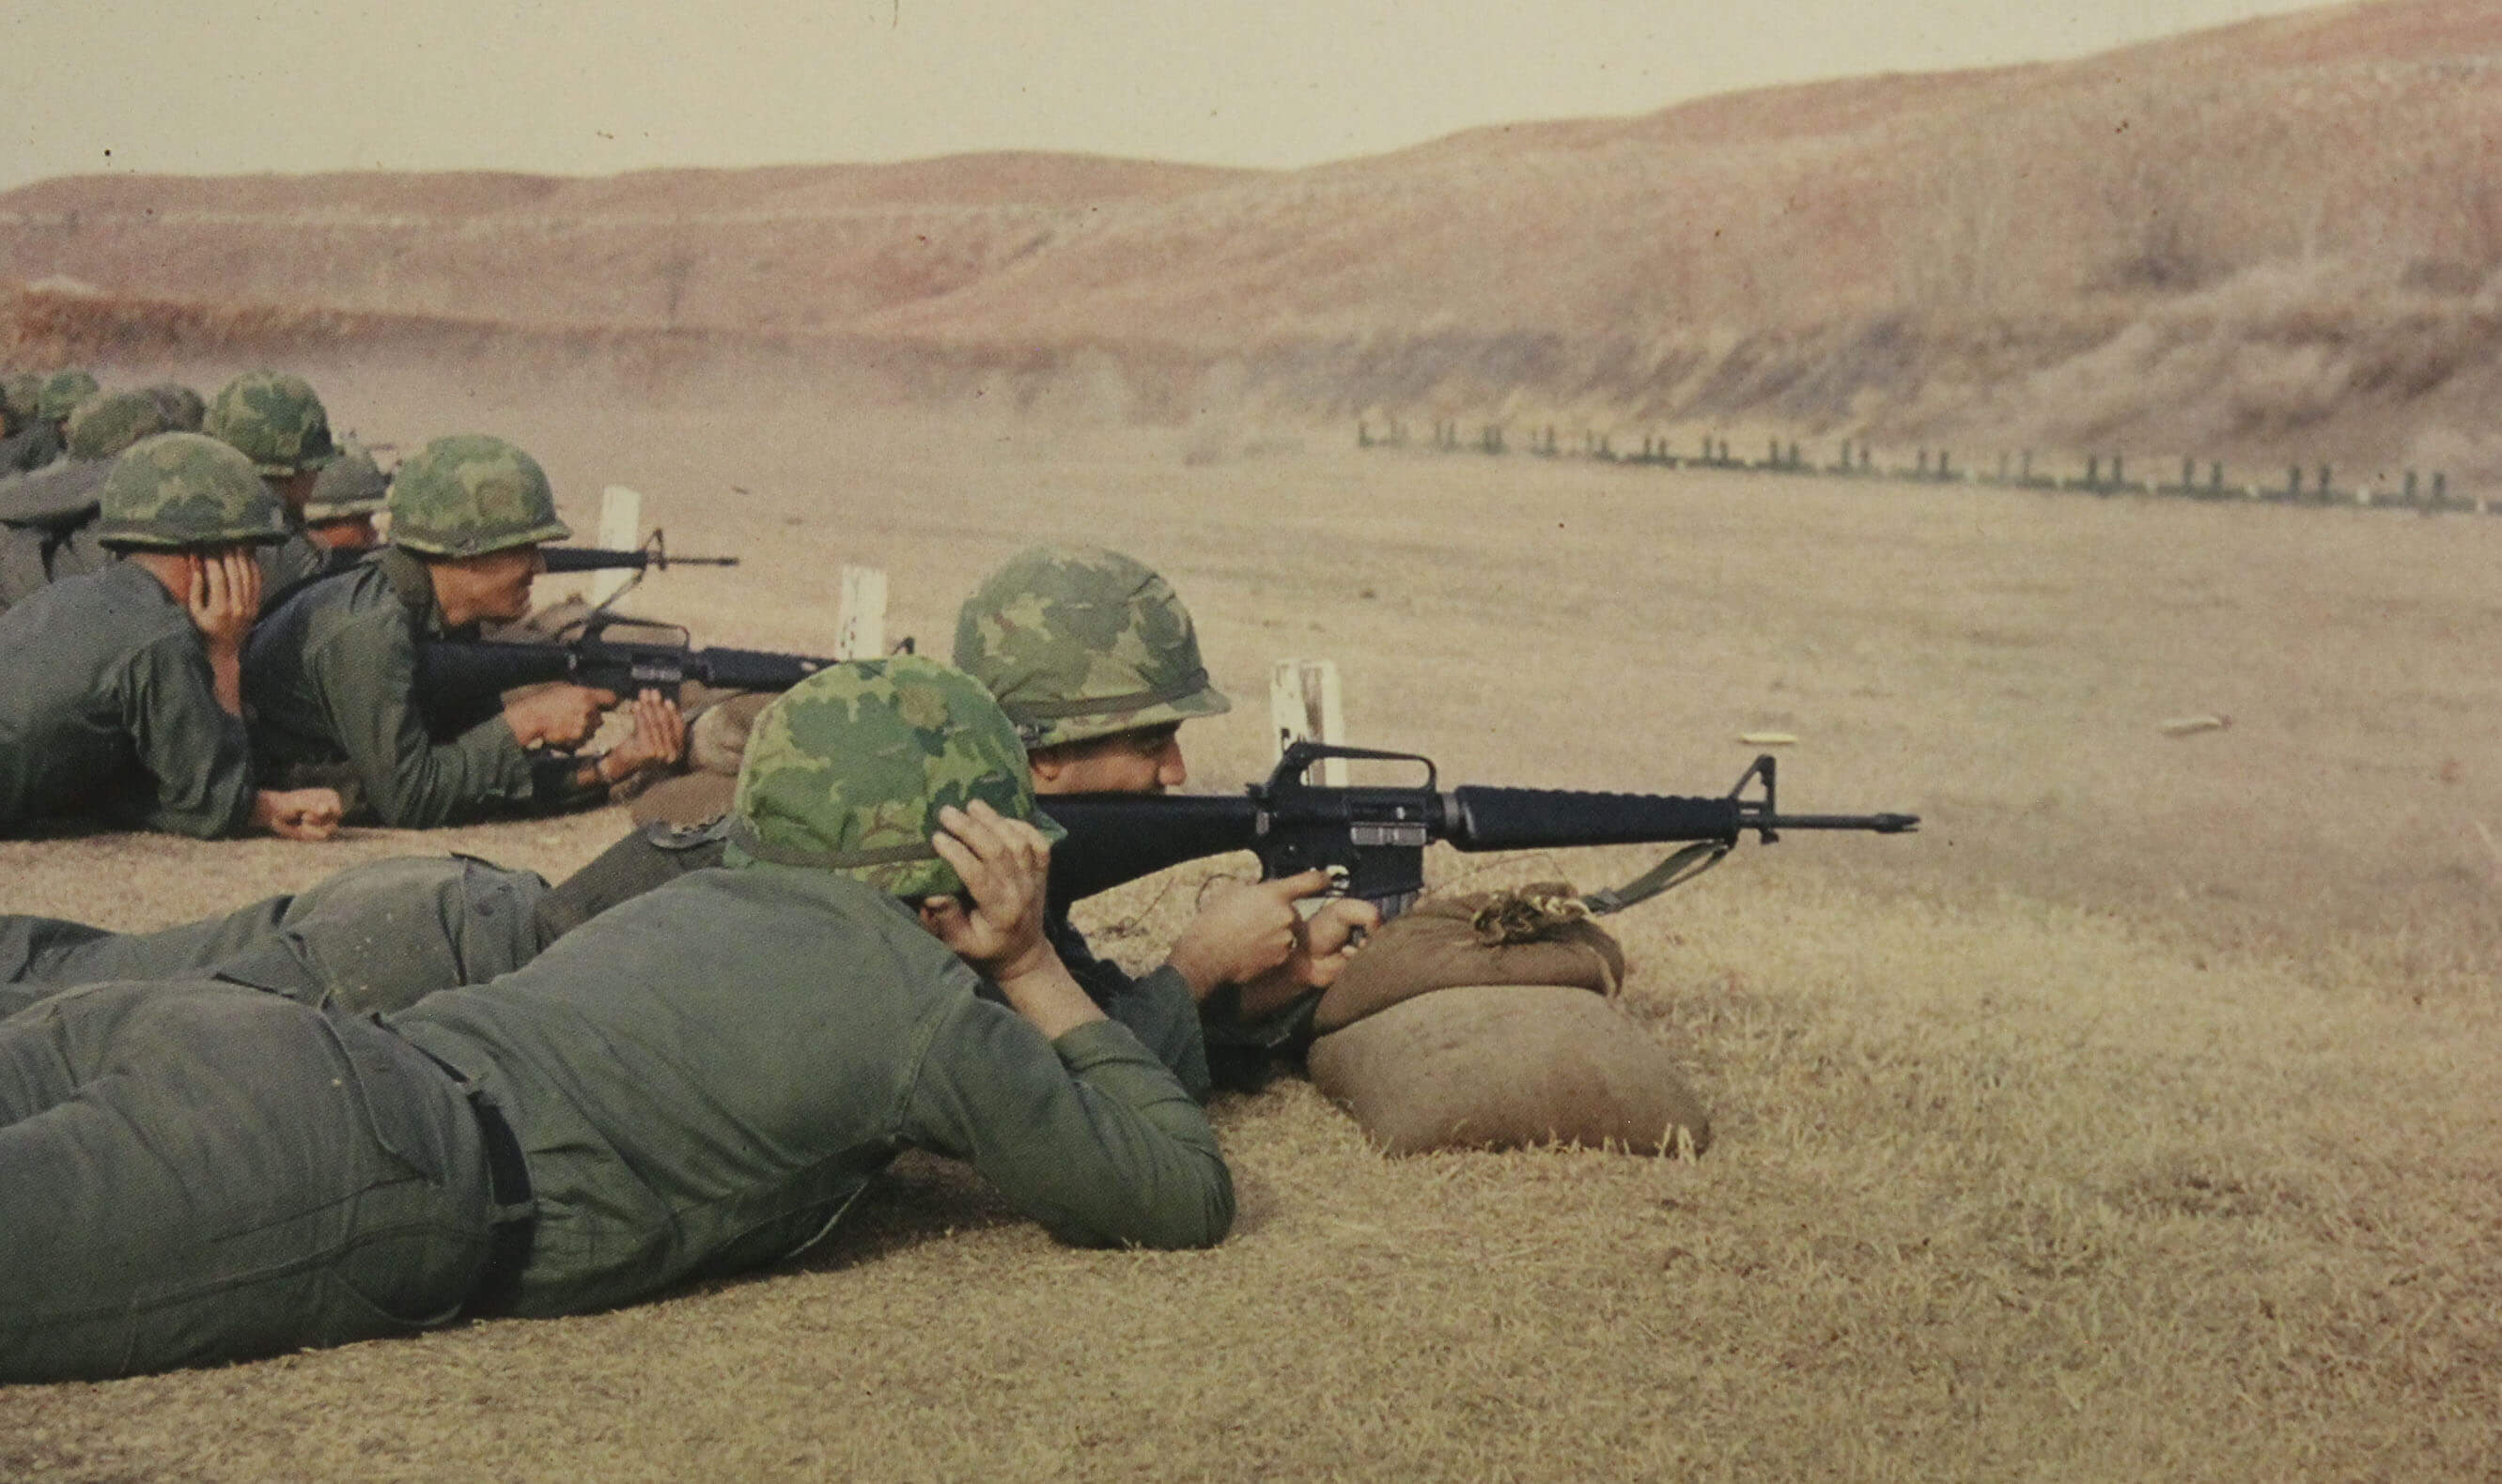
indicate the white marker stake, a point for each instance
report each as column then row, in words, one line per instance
column 1303, row 707
column 860, row 620
column 620, row 529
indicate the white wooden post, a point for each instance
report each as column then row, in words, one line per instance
column 1303, row 707
column 860, row 618
column 620, row 529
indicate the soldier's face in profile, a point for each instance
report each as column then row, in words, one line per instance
column 494, row 586
column 1147, row 761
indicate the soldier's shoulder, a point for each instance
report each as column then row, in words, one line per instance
column 342, row 596
column 351, row 612
column 112, row 615
column 817, row 906
column 56, row 494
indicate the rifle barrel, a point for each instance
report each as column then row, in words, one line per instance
column 1879, row 824
column 602, row 559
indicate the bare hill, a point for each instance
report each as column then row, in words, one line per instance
column 2278, row 235
column 792, row 248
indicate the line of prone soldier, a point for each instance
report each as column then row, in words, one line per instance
column 431, row 1089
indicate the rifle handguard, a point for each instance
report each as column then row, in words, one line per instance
column 1545, row 818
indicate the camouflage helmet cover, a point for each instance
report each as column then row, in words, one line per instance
column 62, row 391
column 184, row 490
column 23, row 394
column 849, row 769
column 275, row 420
column 469, row 494
column 184, row 412
column 110, row 421
column 1078, row 642
column 352, row 485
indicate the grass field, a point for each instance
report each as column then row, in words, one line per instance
column 2137, row 1119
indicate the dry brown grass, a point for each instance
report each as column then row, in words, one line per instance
column 2137, row 1120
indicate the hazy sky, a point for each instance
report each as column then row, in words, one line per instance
column 582, row 88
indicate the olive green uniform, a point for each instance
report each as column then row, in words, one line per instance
column 31, row 447
column 699, row 1082
column 48, row 528
column 110, row 707
column 50, row 520
column 379, row 937
column 382, row 936
column 48, row 533
column 286, row 566
column 330, row 681
column 1158, row 1009
column 203, row 1173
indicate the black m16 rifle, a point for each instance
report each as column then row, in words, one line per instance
column 461, row 683
column 653, row 555
column 1373, row 839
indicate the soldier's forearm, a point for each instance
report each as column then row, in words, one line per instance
column 1048, row 996
column 225, row 677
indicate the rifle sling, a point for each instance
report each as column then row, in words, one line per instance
column 1675, row 871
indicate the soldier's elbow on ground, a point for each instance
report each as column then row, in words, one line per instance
column 1172, row 1221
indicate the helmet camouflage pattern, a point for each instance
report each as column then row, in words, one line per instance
column 110, row 421
column 62, row 391
column 23, row 393
column 184, row 412
column 469, row 494
column 274, row 420
column 849, row 769
column 352, row 485
column 184, row 490
column 1078, row 642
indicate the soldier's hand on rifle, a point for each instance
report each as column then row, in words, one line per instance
column 225, row 598
column 1245, row 929
column 297, row 814
column 659, row 738
column 1329, row 938
column 559, row 716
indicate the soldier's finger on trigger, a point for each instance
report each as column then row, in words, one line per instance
column 1302, row 884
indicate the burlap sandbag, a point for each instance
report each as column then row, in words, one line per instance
column 1503, row 1066
column 1533, row 934
column 717, row 735
column 716, row 745
column 688, row 799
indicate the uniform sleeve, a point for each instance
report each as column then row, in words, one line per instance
column 365, row 674
column 1087, row 1134
column 1158, row 1010
column 289, row 565
column 194, row 748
